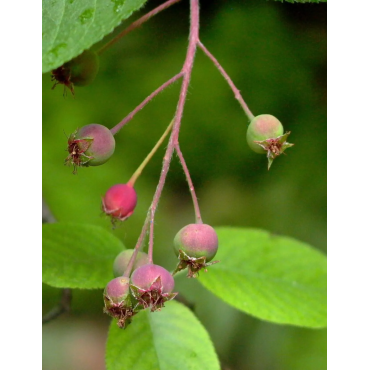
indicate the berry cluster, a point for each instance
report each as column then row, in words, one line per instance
column 149, row 286
column 139, row 283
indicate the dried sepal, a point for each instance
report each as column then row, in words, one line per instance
column 62, row 76
column 122, row 311
column 152, row 298
column 193, row 264
column 274, row 147
column 77, row 151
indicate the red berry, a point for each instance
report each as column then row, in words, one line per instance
column 119, row 201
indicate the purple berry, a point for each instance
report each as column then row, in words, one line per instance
column 91, row 145
column 263, row 127
column 117, row 289
column 145, row 276
column 197, row 240
column 119, row 201
column 122, row 260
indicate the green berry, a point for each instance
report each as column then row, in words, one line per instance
column 84, row 68
column 122, row 260
column 263, row 127
column 79, row 71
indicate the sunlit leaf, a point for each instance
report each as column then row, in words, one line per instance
column 271, row 277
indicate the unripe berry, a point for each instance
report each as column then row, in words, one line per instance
column 79, row 71
column 146, row 275
column 91, row 145
column 117, row 289
column 263, row 127
column 84, row 68
column 119, row 201
column 122, row 260
column 197, row 240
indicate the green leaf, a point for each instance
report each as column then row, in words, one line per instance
column 71, row 26
column 171, row 339
column 273, row 278
column 78, row 255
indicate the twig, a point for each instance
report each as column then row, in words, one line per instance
column 238, row 96
column 198, row 218
column 186, row 70
column 129, row 117
column 63, row 306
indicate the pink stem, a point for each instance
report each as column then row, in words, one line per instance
column 129, row 117
column 186, row 72
column 198, row 218
column 238, row 96
column 137, row 24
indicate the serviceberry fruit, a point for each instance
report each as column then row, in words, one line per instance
column 195, row 245
column 262, row 127
column 265, row 134
column 122, row 260
column 119, row 202
column 197, row 240
column 91, row 145
column 118, row 289
column 118, row 301
column 152, row 285
column 79, row 71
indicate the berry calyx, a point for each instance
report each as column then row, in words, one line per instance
column 79, row 71
column 152, row 286
column 91, row 145
column 118, row 302
column 195, row 245
column 265, row 135
column 119, row 202
column 122, row 260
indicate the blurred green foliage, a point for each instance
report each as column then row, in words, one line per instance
column 276, row 55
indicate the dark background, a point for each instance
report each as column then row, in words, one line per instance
column 276, row 55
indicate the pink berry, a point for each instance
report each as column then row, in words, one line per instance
column 119, row 201
column 146, row 275
column 91, row 145
column 117, row 289
column 197, row 240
